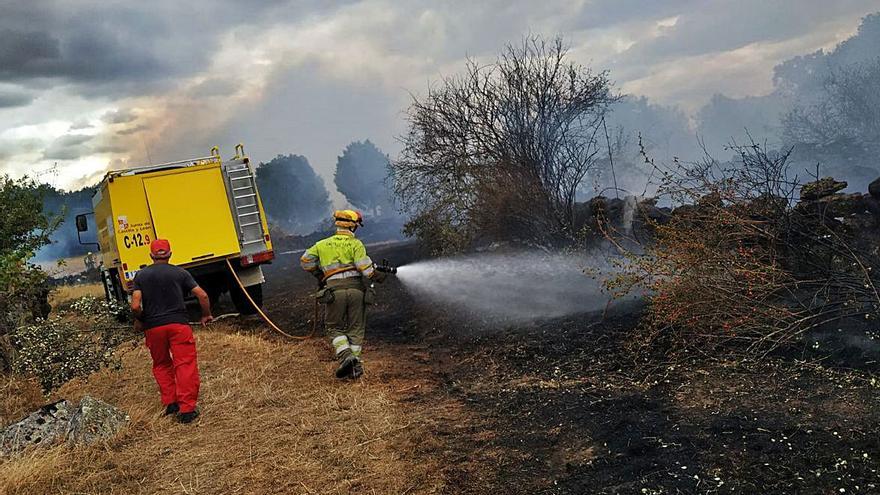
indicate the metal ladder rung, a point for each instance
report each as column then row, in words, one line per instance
column 249, row 211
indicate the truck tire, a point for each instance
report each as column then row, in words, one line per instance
column 214, row 284
column 242, row 305
column 214, row 292
column 116, row 295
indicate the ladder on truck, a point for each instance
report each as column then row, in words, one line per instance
column 246, row 211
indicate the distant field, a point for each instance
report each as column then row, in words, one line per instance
column 69, row 266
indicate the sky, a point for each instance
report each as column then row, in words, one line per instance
column 87, row 86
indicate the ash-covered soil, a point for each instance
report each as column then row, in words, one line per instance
column 562, row 406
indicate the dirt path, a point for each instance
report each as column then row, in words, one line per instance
column 273, row 421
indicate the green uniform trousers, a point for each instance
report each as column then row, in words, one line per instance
column 346, row 317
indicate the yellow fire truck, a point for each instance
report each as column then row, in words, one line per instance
column 210, row 211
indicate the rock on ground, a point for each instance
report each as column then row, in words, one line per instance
column 90, row 421
column 94, row 420
column 44, row 427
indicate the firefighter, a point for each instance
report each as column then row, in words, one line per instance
column 159, row 309
column 345, row 275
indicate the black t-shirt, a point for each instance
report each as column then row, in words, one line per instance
column 164, row 287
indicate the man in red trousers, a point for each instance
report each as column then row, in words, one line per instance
column 158, row 306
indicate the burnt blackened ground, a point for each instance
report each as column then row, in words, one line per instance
column 581, row 418
column 562, row 406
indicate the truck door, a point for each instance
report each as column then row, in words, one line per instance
column 191, row 210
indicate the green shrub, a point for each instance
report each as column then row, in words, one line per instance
column 24, row 229
column 76, row 341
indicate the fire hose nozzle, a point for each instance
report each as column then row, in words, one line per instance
column 386, row 267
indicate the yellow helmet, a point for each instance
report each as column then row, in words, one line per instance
column 348, row 218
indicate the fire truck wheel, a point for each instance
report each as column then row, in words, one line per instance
column 214, row 292
column 242, row 305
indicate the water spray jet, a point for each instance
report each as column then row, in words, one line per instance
column 512, row 287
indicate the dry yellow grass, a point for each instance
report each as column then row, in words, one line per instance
column 274, row 420
column 17, row 398
column 72, row 292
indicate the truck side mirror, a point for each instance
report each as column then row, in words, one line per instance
column 82, row 224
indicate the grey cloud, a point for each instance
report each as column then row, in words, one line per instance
column 102, row 50
column 718, row 26
column 320, row 112
column 112, row 50
column 68, row 147
column 122, row 116
column 80, row 124
column 132, row 130
column 11, row 147
column 97, row 54
column 214, row 87
column 110, row 148
column 11, row 99
column 27, row 145
column 301, row 114
column 607, row 13
column 27, row 52
column 118, row 49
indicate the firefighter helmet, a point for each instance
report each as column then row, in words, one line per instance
column 348, row 218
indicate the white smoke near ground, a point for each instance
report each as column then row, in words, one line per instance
column 630, row 204
column 514, row 287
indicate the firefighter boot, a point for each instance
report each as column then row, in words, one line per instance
column 188, row 417
column 346, row 366
column 358, row 370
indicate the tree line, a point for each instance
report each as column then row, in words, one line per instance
column 298, row 202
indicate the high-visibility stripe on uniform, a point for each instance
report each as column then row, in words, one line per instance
column 334, row 268
column 308, row 262
column 340, row 344
column 365, row 266
column 355, row 350
column 342, row 275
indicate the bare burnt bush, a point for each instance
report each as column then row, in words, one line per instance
column 742, row 262
column 511, row 140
